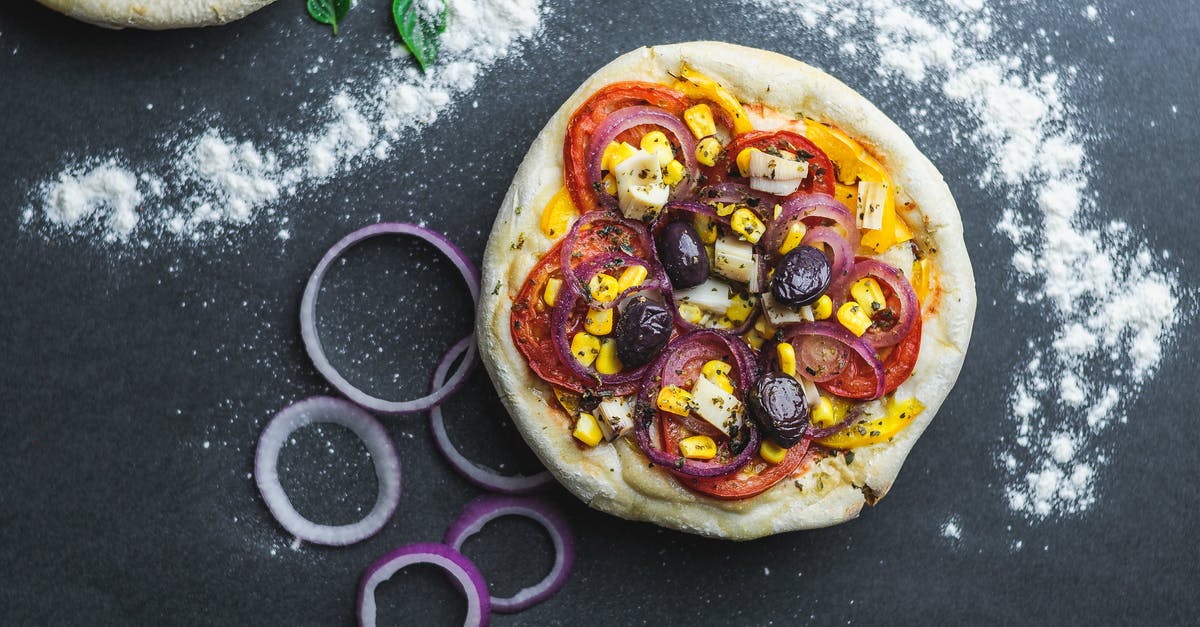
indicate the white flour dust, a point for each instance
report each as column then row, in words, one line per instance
column 211, row 184
column 1111, row 302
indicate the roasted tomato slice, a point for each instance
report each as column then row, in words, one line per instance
column 858, row 383
column 820, row 177
column 591, row 114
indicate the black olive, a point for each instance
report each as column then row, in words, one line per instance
column 643, row 329
column 801, row 277
column 779, row 404
column 683, row 255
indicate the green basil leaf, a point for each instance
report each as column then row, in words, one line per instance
column 421, row 25
column 329, row 12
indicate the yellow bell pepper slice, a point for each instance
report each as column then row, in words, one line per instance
column 899, row 414
column 558, row 214
column 697, row 85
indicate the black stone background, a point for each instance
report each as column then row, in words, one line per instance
column 119, row 365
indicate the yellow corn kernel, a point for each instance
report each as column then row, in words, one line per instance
column 615, row 153
column 558, row 213
column 598, row 321
column 675, row 400
column 700, row 120
column 607, row 361
column 718, row 371
column 779, row 210
column 754, row 339
column 866, row 292
column 705, row 228
column 771, row 452
column 673, row 173
column 764, row 326
column 823, row 308
column 610, row 184
column 603, row 288
column 698, row 447
column 691, row 313
column 795, row 234
column 585, row 347
column 550, row 296
column 852, row 316
column 723, row 209
column 587, row 430
column 920, row 279
column 631, row 277
column 745, row 223
column 743, row 161
column 740, row 308
column 707, row 151
column 654, row 140
column 822, row 413
column 787, row 358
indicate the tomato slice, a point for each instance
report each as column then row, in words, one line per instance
column 591, row 114
column 820, row 179
column 858, row 382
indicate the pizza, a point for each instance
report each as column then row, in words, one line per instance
column 156, row 14
column 724, row 294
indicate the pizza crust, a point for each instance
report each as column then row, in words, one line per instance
column 156, row 14
column 616, row 478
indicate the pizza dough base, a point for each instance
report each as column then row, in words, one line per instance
column 156, row 14
column 615, row 478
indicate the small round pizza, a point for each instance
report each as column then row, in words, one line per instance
column 156, row 14
column 725, row 293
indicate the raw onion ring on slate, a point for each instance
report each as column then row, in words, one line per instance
column 464, row 572
column 478, row 475
column 312, row 340
column 622, row 120
column 487, row 508
column 367, row 428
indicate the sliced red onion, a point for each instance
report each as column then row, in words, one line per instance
column 808, row 208
column 909, row 308
column 383, row 454
column 683, row 349
column 825, row 238
column 312, row 340
column 596, row 219
column 465, row 574
column 480, row 476
column 825, row 336
column 487, row 508
column 622, row 120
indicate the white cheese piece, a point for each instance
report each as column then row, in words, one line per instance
column 733, row 258
column 872, row 197
column 811, row 393
column 767, row 166
column 615, row 416
column 716, row 406
column 712, row 295
column 641, row 192
column 779, row 314
column 776, row 188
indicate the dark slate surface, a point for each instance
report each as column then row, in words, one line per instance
column 119, row 367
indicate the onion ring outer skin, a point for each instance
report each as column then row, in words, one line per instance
column 312, row 340
column 489, row 507
column 466, row 576
column 373, row 435
column 478, row 475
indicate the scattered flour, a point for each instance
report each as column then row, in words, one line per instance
column 952, row 529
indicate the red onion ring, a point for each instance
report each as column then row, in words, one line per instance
column 852, row 416
column 487, row 508
column 337, row 411
column 465, row 575
column 592, row 220
column 622, row 120
column 825, row 330
column 806, row 208
column 646, row 411
column 839, row 248
column 480, row 476
column 312, row 340
column 909, row 308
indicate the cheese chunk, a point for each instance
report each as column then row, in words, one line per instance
column 712, row 295
column 615, row 417
column 775, row 188
column 768, row 166
column 872, row 197
column 716, row 406
column 641, row 192
column 779, row 314
column 733, row 258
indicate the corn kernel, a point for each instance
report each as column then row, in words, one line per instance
column 778, row 212
column 787, row 358
column 754, row 339
column 603, row 288
column 598, row 321
column 868, row 294
column 705, row 228
column 725, row 208
column 698, row 447
column 587, row 430
column 795, row 233
column 675, row 400
column 673, row 173
column 691, row 313
column 632, row 276
column 822, row 413
column 615, row 153
column 607, row 361
column 743, row 161
column 764, row 326
column 550, row 296
column 823, row 308
column 771, row 452
column 585, row 347
column 852, row 316
column 746, row 224
column 740, row 308
column 700, row 120
column 558, row 213
column 920, row 279
column 707, row 151
column 718, row 371
column 656, row 143
column 609, row 182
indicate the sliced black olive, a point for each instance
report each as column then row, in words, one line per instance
column 801, row 277
column 779, row 405
column 643, row 329
column 683, row 255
